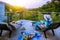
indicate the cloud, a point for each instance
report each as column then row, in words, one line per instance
column 27, row 3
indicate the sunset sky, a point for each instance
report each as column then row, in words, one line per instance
column 27, row 3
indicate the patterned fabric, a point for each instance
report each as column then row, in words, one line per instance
column 35, row 25
column 36, row 36
column 47, row 17
column 46, row 24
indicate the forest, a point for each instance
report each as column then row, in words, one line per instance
column 16, row 13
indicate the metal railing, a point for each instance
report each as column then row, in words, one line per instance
column 36, row 16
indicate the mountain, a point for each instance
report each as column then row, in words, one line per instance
column 53, row 6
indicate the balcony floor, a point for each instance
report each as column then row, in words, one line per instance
column 16, row 33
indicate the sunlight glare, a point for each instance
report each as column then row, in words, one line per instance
column 17, row 2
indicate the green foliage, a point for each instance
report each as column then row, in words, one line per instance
column 33, row 14
column 52, row 6
column 53, row 17
column 5, row 21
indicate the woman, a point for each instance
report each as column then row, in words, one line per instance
column 44, row 23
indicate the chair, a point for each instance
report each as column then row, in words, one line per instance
column 11, row 28
column 51, row 27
